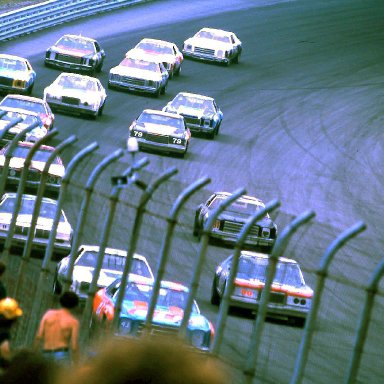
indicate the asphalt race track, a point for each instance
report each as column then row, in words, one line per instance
column 303, row 123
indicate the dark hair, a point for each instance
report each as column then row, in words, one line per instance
column 69, row 300
column 3, row 267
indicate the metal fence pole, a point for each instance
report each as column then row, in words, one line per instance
column 172, row 221
column 200, row 260
column 73, row 164
column 44, row 270
column 225, row 303
column 84, row 212
column 362, row 329
column 146, row 196
column 36, row 210
column 20, row 190
column 113, row 199
column 321, row 273
column 277, row 251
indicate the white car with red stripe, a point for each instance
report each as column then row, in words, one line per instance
column 290, row 296
column 163, row 51
column 36, row 105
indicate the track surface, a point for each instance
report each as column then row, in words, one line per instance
column 302, row 123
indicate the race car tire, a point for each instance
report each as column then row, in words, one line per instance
column 215, row 297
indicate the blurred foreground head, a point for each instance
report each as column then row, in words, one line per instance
column 149, row 361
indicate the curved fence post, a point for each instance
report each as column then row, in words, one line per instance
column 20, row 190
column 322, row 272
column 73, row 164
column 146, row 196
column 224, row 306
column 35, row 215
column 44, row 270
column 172, row 221
column 200, row 260
column 84, row 211
column 364, row 322
column 277, row 250
column 113, row 200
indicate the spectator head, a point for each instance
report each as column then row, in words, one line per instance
column 9, row 309
column 69, row 300
column 145, row 360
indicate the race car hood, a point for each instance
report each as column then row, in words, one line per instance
column 171, row 316
column 158, row 129
column 242, row 218
column 135, row 72
column 160, row 57
column 17, row 128
column 25, row 221
column 85, row 274
column 18, row 163
column 189, row 111
column 207, row 43
column 72, row 52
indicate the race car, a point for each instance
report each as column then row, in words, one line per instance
column 163, row 51
column 229, row 223
column 168, row 314
column 36, row 105
column 16, row 75
column 63, row 239
column 55, row 174
column 76, row 94
column 112, row 267
column 214, row 45
column 138, row 73
column 17, row 120
column 75, row 53
column 201, row 113
column 161, row 131
column 290, row 297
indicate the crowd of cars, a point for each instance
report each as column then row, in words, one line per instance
column 146, row 68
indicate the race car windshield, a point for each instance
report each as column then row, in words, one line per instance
column 23, row 104
column 239, row 206
column 41, row 155
column 140, row 64
column 113, row 262
column 256, row 268
column 153, row 47
column 205, row 105
column 213, row 36
column 74, row 82
column 25, row 119
column 75, row 44
column 47, row 209
column 13, row 64
column 153, row 118
column 167, row 297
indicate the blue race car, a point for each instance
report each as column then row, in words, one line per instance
column 168, row 313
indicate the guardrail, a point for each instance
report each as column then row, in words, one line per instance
column 50, row 13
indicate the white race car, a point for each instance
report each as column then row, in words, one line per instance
column 112, row 267
column 139, row 74
column 63, row 239
column 76, row 94
column 163, row 51
column 214, row 45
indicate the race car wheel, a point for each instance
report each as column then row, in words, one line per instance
column 163, row 89
column 215, row 297
column 29, row 90
column 56, row 287
column 100, row 112
column 99, row 66
column 237, row 58
column 177, row 73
